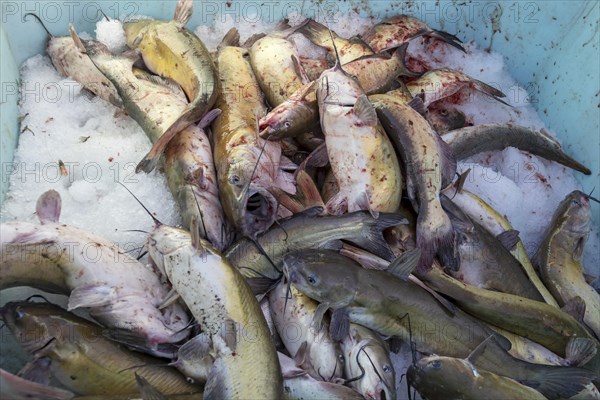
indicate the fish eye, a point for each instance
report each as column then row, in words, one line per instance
column 443, row 112
column 436, row 364
column 19, row 315
column 234, row 179
column 287, row 124
column 312, row 279
column 387, row 368
column 575, row 202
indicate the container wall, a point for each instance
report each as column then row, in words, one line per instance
column 551, row 48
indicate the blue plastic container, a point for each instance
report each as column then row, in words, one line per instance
column 551, row 47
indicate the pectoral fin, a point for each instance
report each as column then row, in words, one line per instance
column 91, row 296
column 575, row 307
column 37, row 370
column 48, row 207
column 339, row 327
column 365, row 111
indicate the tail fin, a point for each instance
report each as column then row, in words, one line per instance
column 372, row 236
column 452, row 40
column 559, row 382
column 315, row 32
column 489, row 90
column 435, row 236
column 400, row 54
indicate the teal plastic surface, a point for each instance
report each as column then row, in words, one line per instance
column 552, row 48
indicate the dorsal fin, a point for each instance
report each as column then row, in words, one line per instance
column 509, row 238
column 405, row 264
column 183, row 12
column 478, row 350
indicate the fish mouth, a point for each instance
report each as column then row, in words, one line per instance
column 259, row 210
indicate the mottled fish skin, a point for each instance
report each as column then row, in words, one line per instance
column 297, row 114
column 293, row 317
column 314, row 67
column 119, row 291
column 17, row 388
column 70, row 61
column 400, row 29
column 81, row 358
column 429, row 168
column 364, row 348
column 559, row 256
column 378, row 73
column 440, row 83
column 444, row 378
column 221, row 301
column 189, row 166
column 361, row 155
column 246, row 165
column 272, row 60
column 468, row 141
column 384, row 303
column 347, row 49
column 171, row 50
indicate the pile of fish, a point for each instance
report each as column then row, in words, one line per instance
column 324, row 226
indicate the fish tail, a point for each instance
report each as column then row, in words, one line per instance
column 435, row 236
column 315, row 32
column 369, row 36
column 452, row 40
column 400, row 54
column 558, row 382
column 487, row 89
column 372, row 233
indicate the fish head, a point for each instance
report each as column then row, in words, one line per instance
column 323, row 275
column 163, row 241
column 445, row 119
column 32, row 324
column 135, row 31
column 576, row 210
column 437, row 372
column 247, row 203
column 288, row 119
column 572, row 219
column 379, row 380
